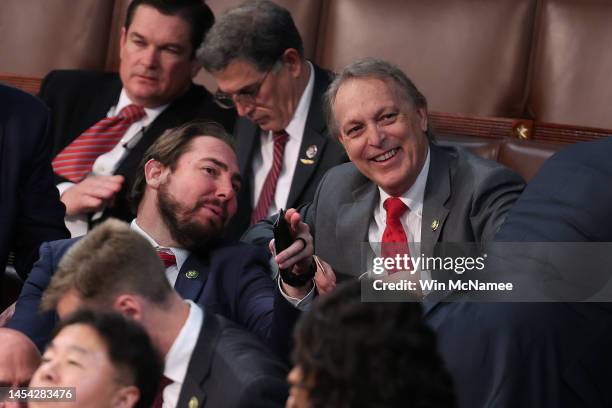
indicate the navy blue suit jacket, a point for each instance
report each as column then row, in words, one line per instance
column 232, row 282
column 539, row 354
column 30, row 209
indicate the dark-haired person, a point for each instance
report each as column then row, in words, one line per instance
column 256, row 55
column 186, row 194
column 352, row 354
column 108, row 359
column 209, row 361
column 104, row 122
column 30, row 210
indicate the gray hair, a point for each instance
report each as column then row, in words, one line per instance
column 258, row 31
column 370, row 68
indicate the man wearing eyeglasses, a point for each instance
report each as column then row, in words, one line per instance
column 256, row 55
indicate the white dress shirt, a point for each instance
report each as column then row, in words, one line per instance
column 262, row 161
column 180, row 254
column 107, row 163
column 177, row 360
column 411, row 220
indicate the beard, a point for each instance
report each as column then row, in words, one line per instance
column 182, row 224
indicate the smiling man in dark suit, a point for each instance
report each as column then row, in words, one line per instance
column 123, row 114
column 209, row 361
column 256, row 55
column 186, row 194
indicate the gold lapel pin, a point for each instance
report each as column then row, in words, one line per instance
column 193, row 403
column 435, row 224
column 192, row 274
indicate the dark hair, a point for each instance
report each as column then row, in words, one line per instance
column 258, row 31
column 369, row 354
column 371, row 68
column 195, row 12
column 129, row 349
column 169, row 148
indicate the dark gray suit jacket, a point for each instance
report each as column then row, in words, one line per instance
column 466, row 195
column 232, row 368
column 307, row 175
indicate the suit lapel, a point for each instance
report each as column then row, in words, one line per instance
column 200, row 362
column 352, row 227
column 314, row 139
column 437, row 194
column 192, row 277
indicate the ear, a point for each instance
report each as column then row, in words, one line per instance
column 291, row 58
column 122, row 41
column 128, row 306
column 155, row 173
column 423, row 121
column 126, row 397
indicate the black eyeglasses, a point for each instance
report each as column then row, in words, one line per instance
column 245, row 97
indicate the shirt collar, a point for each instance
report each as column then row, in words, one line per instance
column 295, row 128
column 179, row 355
column 414, row 196
column 124, row 100
column 180, row 254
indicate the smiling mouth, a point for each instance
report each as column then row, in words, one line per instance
column 385, row 156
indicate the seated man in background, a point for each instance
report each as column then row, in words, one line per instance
column 209, row 361
column 30, row 210
column 256, row 55
column 400, row 187
column 185, row 194
column 108, row 359
column 19, row 364
column 352, row 354
column 104, row 122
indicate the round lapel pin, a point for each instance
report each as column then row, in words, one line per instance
column 193, row 403
column 192, row 274
column 311, row 152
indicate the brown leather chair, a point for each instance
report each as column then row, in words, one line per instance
column 38, row 36
column 571, row 80
column 523, row 156
column 465, row 56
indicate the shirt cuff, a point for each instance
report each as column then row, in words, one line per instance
column 301, row 304
column 77, row 224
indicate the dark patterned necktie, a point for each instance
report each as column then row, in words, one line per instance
column 269, row 188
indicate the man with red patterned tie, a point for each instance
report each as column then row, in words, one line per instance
column 401, row 194
column 103, row 122
column 256, row 55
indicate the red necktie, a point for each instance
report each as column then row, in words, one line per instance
column 394, row 240
column 159, row 397
column 77, row 159
column 269, row 188
column 166, row 256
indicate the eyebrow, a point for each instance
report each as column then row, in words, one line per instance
column 235, row 176
column 76, row 348
column 164, row 45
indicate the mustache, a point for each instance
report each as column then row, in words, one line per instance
column 214, row 202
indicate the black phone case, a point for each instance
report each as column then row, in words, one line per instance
column 282, row 240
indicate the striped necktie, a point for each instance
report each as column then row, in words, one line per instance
column 269, row 188
column 166, row 256
column 77, row 159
